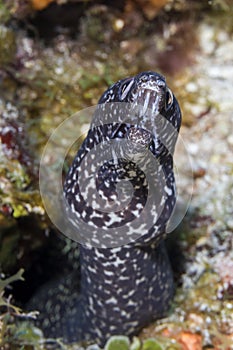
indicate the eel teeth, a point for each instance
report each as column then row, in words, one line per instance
column 151, row 101
column 146, row 102
column 155, row 105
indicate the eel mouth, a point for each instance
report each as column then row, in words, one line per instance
column 147, row 90
column 149, row 100
column 150, row 94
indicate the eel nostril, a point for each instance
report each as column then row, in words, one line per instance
column 161, row 83
column 144, row 78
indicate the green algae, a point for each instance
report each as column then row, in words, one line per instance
column 7, row 45
column 16, row 332
column 16, row 191
column 5, row 13
column 118, row 343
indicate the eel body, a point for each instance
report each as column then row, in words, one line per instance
column 126, row 279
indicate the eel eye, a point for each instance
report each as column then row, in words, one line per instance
column 126, row 88
column 123, row 88
column 169, row 99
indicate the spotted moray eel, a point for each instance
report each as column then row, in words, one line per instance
column 125, row 286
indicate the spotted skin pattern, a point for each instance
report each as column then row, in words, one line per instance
column 125, row 287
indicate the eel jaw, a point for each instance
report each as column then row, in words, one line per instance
column 150, row 96
column 149, row 101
